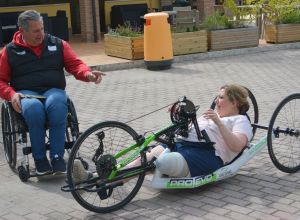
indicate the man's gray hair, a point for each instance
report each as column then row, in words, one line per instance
column 30, row 15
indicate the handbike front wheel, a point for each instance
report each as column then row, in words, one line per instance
column 283, row 135
column 97, row 147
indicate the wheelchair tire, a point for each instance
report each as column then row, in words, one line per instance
column 72, row 128
column 252, row 114
column 116, row 137
column 9, row 134
column 283, row 135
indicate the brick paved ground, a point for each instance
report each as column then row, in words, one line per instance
column 258, row 191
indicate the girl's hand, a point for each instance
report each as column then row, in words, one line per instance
column 211, row 114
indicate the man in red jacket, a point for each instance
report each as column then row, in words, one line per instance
column 33, row 64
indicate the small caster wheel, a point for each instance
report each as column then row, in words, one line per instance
column 23, row 174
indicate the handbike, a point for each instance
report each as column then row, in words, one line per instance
column 109, row 147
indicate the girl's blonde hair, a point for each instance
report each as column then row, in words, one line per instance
column 238, row 94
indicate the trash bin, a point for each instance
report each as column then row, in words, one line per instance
column 158, row 50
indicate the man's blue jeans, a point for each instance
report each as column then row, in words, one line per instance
column 36, row 112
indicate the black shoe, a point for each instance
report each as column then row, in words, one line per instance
column 58, row 164
column 42, row 166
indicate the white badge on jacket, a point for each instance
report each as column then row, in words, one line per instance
column 21, row 52
column 52, row 48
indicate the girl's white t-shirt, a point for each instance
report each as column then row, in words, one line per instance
column 236, row 124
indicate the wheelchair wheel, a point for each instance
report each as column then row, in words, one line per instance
column 104, row 140
column 73, row 120
column 72, row 128
column 252, row 114
column 9, row 134
column 24, row 174
column 283, row 135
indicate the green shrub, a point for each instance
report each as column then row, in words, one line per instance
column 125, row 30
column 217, row 21
column 240, row 16
column 292, row 18
column 281, row 11
column 233, row 17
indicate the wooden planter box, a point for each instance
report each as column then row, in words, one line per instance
column 282, row 33
column 189, row 42
column 131, row 48
column 233, row 38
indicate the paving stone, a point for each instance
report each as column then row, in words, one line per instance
column 237, row 208
column 188, row 217
column 261, row 215
column 261, row 208
column 283, row 207
column 210, row 216
column 215, row 210
column 285, row 215
column 59, row 216
column 13, row 216
column 35, row 216
column 235, row 201
column 236, row 215
column 238, row 195
column 279, row 199
column 274, row 192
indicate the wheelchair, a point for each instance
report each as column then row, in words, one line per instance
column 15, row 137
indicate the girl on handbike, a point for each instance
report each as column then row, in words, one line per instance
column 228, row 132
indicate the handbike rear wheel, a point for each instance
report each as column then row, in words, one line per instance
column 115, row 137
column 283, row 135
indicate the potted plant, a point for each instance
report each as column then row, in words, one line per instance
column 192, row 40
column 233, row 29
column 282, row 20
column 187, row 36
column 124, row 42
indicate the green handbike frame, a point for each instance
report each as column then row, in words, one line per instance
column 161, row 182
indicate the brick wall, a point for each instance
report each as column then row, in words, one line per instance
column 86, row 20
column 205, row 7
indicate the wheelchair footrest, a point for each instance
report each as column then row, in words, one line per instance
column 28, row 150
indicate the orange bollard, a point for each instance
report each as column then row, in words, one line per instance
column 158, row 50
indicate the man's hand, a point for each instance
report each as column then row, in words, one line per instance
column 16, row 102
column 95, row 76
